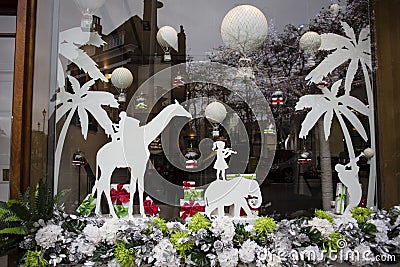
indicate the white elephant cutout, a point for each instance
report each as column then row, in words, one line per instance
column 221, row 193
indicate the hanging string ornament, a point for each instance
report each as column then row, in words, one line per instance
column 121, row 78
column 243, row 29
column 215, row 113
column 310, row 42
column 167, row 37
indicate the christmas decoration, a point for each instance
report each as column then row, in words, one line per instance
column 88, row 7
column 215, row 112
column 150, row 207
column 190, row 208
column 310, row 41
column 244, row 28
column 121, row 78
column 167, row 38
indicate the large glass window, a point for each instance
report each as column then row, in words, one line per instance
column 296, row 108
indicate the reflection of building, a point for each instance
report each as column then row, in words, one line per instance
column 38, row 155
column 132, row 45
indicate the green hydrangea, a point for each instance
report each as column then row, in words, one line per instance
column 34, row 259
column 162, row 224
column 124, row 256
column 181, row 242
column 264, row 225
column 323, row 215
column 199, row 221
column 333, row 242
column 360, row 214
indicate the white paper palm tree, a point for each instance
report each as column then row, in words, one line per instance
column 327, row 104
column 69, row 42
column 83, row 101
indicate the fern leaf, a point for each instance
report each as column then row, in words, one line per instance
column 22, row 230
column 60, row 195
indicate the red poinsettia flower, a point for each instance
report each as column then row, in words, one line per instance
column 150, row 207
column 119, row 196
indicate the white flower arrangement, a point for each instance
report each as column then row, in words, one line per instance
column 322, row 225
column 47, row 236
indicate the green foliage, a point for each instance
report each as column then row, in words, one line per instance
column 181, row 242
column 103, row 254
column 241, row 235
column 34, row 259
column 199, row 221
column 264, row 226
column 360, row 214
column 161, row 223
column 87, row 206
column 323, row 215
column 121, row 211
column 124, row 256
column 331, row 244
column 17, row 217
column 199, row 258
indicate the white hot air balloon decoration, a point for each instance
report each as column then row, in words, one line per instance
column 243, row 29
column 87, row 8
column 215, row 113
column 121, row 78
column 310, row 42
column 167, row 37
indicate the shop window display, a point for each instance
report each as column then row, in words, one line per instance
column 277, row 121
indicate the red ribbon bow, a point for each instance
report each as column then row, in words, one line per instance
column 119, row 196
column 187, row 185
column 150, row 207
column 190, row 208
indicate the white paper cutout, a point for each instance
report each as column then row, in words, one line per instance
column 346, row 48
column 221, row 193
column 348, row 175
column 69, row 42
column 84, row 101
column 130, row 148
column 222, row 153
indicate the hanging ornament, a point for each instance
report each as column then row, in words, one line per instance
column 178, row 81
column 243, row 29
column 334, row 8
column 277, row 98
column 270, row 129
column 305, row 156
column 215, row 113
column 167, row 37
column 141, row 102
column 87, row 8
column 310, row 42
column 192, row 154
column 121, row 78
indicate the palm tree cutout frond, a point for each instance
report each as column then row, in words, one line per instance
column 345, row 48
column 330, row 104
column 69, row 42
column 83, row 101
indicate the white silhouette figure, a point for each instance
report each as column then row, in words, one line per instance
column 129, row 148
column 222, row 153
column 348, row 175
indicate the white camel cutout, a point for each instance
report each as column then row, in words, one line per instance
column 129, row 148
column 348, row 175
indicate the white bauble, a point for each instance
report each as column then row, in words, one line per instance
column 167, row 37
column 244, row 28
column 310, row 41
column 334, row 8
column 369, row 153
column 215, row 112
column 121, row 78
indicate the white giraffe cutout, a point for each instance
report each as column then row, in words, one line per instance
column 129, row 148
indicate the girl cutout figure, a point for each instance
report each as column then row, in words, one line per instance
column 222, row 153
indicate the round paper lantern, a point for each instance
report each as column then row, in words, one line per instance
column 334, row 8
column 244, row 28
column 215, row 112
column 310, row 42
column 121, row 78
column 369, row 153
column 167, row 37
